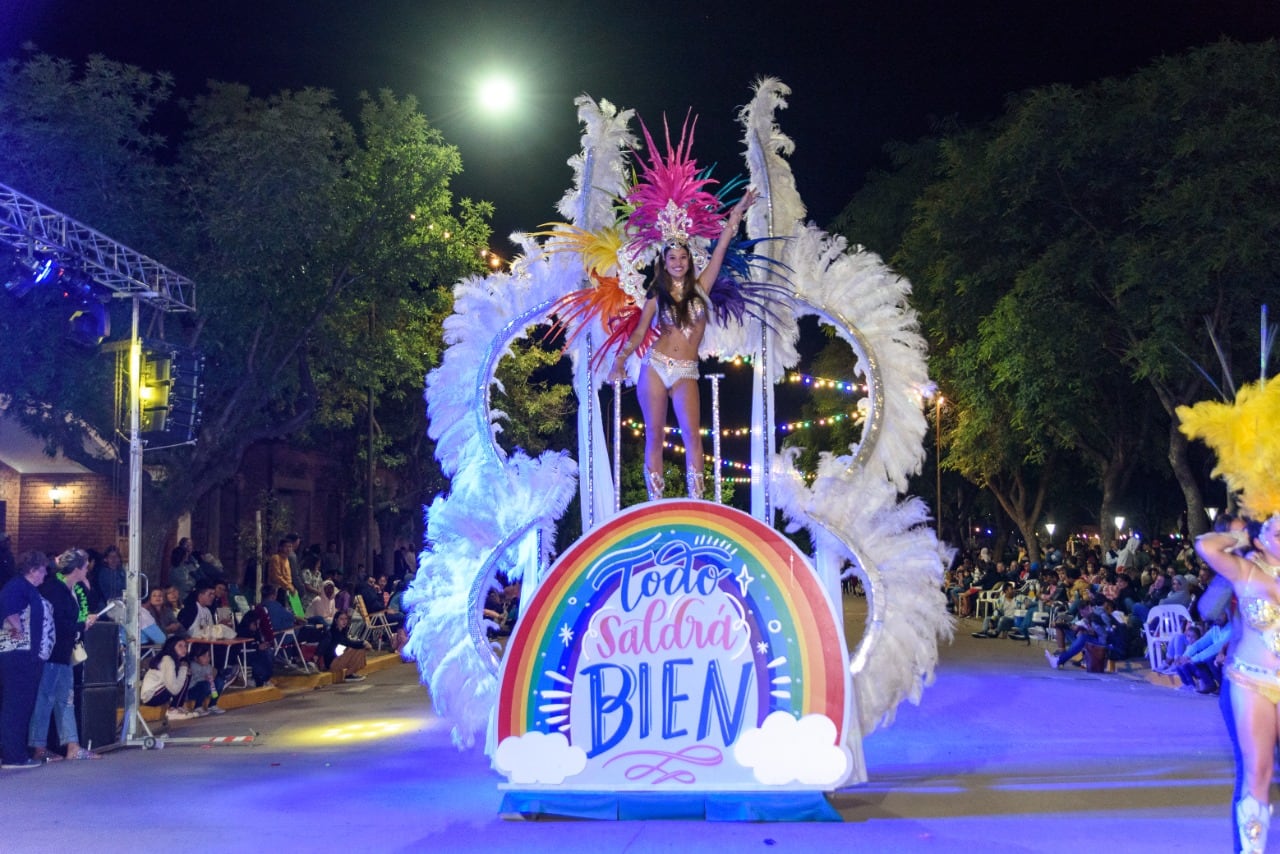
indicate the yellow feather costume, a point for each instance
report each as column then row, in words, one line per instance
column 1245, row 435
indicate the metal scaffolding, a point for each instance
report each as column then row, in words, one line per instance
column 28, row 225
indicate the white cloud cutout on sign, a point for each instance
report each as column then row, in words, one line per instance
column 785, row 750
column 539, row 757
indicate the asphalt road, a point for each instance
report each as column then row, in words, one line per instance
column 1002, row 754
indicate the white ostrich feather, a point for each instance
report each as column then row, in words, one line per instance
column 606, row 142
column 904, row 573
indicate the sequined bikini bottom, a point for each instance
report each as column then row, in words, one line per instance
column 670, row 370
column 1262, row 681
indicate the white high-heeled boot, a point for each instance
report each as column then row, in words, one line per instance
column 654, row 484
column 1253, row 818
column 694, row 480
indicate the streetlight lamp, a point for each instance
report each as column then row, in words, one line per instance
column 1050, row 527
column 937, row 462
column 1119, row 525
column 1211, row 512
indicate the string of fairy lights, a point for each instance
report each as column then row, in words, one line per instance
column 853, row 416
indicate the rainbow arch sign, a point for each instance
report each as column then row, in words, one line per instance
column 682, row 646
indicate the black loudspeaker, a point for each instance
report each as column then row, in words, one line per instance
column 102, row 643
column 98, row 708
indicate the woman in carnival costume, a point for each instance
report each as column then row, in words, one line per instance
column 1247, row 445
column 669, row 219
column 670, row 368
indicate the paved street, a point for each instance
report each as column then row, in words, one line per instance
column 1003, row 754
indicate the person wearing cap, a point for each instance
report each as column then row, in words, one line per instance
column 26, row 641
column 56, row 695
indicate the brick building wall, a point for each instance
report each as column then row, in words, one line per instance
column 88, row 515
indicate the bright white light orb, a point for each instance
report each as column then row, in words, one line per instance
column 497, row 94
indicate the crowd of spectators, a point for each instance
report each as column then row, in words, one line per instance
column 1091, row 605
column 47, row 605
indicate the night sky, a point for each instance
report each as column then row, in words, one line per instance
column 865, row 75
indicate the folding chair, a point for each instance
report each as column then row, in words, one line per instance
column 287, row 648
column 380, row 629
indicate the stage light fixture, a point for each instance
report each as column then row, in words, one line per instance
column 90, row 321
column 28, row 272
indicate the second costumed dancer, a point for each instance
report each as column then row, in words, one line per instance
column 1247, row 445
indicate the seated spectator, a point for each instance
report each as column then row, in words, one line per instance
column 261, row 653
column 1051, row 595
column 1180, row 594
column 342, row 602
column 989, row 580
column 371, row 596
column 341, row 654
column 281, row 618
column 323, row 608
column 148, row 632
column 206, row 683
column 221, row 605
column 196, row 616
column 396, row 614
column 1178, row 644
column 1155, row 595
column 1089, row 628
column 1199, row 666
column 166, row 680
column 160, row 615
column 172, row 604
column 1002, row 617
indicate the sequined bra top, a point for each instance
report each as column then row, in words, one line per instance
column 1263, row 615
column 668, row 319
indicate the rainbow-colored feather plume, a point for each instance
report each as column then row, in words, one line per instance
column 1245, row 437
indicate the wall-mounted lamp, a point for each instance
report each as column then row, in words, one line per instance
column 56, row 494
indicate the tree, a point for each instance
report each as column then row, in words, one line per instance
column 1068, row 254
column 292, row 222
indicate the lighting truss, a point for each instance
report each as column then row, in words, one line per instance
column 28, row 225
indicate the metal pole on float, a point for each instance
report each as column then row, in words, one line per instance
column 133, row 577
column 617, row 448
column 715, row 434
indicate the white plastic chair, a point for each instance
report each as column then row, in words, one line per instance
column 1164, row 623
column 988, row 601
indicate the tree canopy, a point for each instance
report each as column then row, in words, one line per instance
column 1068, row 255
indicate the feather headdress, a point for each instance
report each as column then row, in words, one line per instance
column 1244, row 435
column 670, row 201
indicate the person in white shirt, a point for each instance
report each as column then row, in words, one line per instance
column 166, row 682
